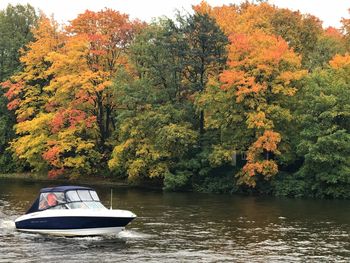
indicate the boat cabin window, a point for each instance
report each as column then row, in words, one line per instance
column 94, row 196
column 72, row 196
column 83, row 199
column 82, row 195
column 50, row 199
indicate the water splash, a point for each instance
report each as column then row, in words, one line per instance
column 7, row 224
column 87, row 238
column 131, row 234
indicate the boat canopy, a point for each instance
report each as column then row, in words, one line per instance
column 54, row 197
column 64, row 188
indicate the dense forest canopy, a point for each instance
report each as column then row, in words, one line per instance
column 247, row 98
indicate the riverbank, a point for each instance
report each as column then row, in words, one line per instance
column 35, row 177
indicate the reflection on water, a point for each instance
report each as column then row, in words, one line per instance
column 186, row 227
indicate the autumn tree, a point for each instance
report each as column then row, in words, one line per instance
column 73, row 131
column 27, row 95
column 302, row 32
column 261, row 75
column 108, row 34
column 66, row 84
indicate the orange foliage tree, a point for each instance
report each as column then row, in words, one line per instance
column 107, row 35
column 260, row 75
column 84, row 68
column 262, row 71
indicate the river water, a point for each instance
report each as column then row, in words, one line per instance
column 187, row 227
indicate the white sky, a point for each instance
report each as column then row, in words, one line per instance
column 329, row 11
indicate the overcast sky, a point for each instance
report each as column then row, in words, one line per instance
column 329, row 11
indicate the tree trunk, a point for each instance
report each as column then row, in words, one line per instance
column 100, row 120
column 201, row 122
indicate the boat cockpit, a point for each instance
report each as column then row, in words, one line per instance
column 67, row 198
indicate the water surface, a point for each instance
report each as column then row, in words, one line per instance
column 187, row 227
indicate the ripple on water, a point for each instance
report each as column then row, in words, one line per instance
column 190, row 230
column 157, row 224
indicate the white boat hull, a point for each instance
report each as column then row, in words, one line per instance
column 75, row 222
column 76, row 232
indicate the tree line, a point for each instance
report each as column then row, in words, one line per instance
column 247, row 98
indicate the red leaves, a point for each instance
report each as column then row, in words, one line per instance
column 241, row 42
column 56, row 173
column 71, row 118
column 83, row 96
column 97, row 38
column 52, row 154
column 106, row 29
column 51, row 106
column 12, row 94
column 334, row 33
column 13, row 89
column 13, row 105
column 57, row 122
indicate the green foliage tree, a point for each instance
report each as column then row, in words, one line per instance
column 205, row 56
column 7, row 120
column 16, row 23
column 155, row 132
column 197, row 53
column 302, row 32
column 325, row 136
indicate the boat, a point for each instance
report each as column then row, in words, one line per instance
column 72, row 211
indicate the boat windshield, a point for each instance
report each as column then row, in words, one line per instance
column 73, row 199
column 83, row 199
column 86, row 205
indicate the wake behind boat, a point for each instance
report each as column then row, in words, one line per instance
column 72, row 211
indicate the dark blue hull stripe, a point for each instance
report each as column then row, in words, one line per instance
column 76, row 222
